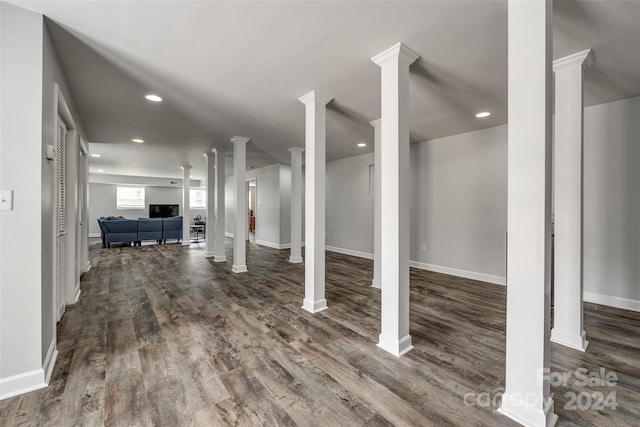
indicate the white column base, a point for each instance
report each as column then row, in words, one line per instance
column 376, row 284
column 186, row 243
column 209, row 254
column 295, row 259
column 396, row 347
column 516, row 407
column 577, row 342
column 239, row 268
column 87, row 267
column 314, row 306
column 217, row 258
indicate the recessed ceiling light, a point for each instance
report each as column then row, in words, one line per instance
column 154, row 98
column 362, row 144
column 95, row 155
column 100, row 170
column 138, row 140
column 483, row 114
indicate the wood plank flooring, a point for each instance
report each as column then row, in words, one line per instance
column 164, row 336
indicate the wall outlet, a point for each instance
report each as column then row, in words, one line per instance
column 423, row 247
column 6, row 200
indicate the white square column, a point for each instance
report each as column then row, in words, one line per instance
column 210, row 157
column 568, row 143
column 240, row 186
column 394, row 196
column 315, row 187
column 527, row 397
column 220, row 255
column 377, row 202
column 295, row 255
column 186, row 207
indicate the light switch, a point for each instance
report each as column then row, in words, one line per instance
column 6, row 200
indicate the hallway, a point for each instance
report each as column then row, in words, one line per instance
column 164, row 336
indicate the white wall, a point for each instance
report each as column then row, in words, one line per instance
column 102, row 202
column 29, row 69
column 285, row 204
column 459, row 204
column 612, row 203
column 21, row 38
column 458, row 193
column 273, row 207
column 459, row 209
column 349, row 204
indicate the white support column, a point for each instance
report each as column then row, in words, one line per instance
column 210, row 233
column 568, row 314
column 186, row 209
column 220, row 255
column 527, row 398
column 315, row 187
column 394, row 196
column 377, row 202
column 240, row 231
column 295, row 255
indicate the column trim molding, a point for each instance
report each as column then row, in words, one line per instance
column 398, row 51
column 585, row 58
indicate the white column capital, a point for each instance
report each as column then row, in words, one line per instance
column 218, row 150
column 239, row 140
column 210, row 154
column 296, row 149
column 585, row 58
column 185, row 167
column 315, row 97
column 399, row 51
column 375, row 123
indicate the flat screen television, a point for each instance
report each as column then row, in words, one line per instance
column 163, row 211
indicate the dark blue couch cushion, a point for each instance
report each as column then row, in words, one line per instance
column 172, row 228
column 120, row 230
column 149, row 229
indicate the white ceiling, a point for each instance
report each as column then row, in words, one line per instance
column 238, row 68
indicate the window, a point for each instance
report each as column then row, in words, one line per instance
column 198, row 198
column 130, row 197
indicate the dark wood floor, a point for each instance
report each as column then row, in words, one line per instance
column 163, row 336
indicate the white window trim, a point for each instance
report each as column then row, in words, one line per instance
column 131, row 207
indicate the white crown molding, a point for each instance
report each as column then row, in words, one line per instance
column 585, row 58
column 375, row 123
column 296, row 149
column 397, row 51
column 315, row 97
column 240, row 139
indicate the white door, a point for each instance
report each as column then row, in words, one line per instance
column 60, row 217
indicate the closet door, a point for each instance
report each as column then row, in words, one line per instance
column 61, row 218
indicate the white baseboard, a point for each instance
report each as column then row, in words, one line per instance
column 617, row 302
column 349, row 252
column 498, row 280
column 282, row 245
column 94, row 234
column 22, row 383
column 78, row 291
column 50, row 361
column 268, row 244
column 87, row 267
column 430, row 267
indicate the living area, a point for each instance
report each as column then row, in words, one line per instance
column 149, row 213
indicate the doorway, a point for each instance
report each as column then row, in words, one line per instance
column 252, row 188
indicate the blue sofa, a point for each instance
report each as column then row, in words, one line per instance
column 172, row 228
column 122, row 230
column 118, row 230
column 150, row 229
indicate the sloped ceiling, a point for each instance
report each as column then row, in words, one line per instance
column 238, row 68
